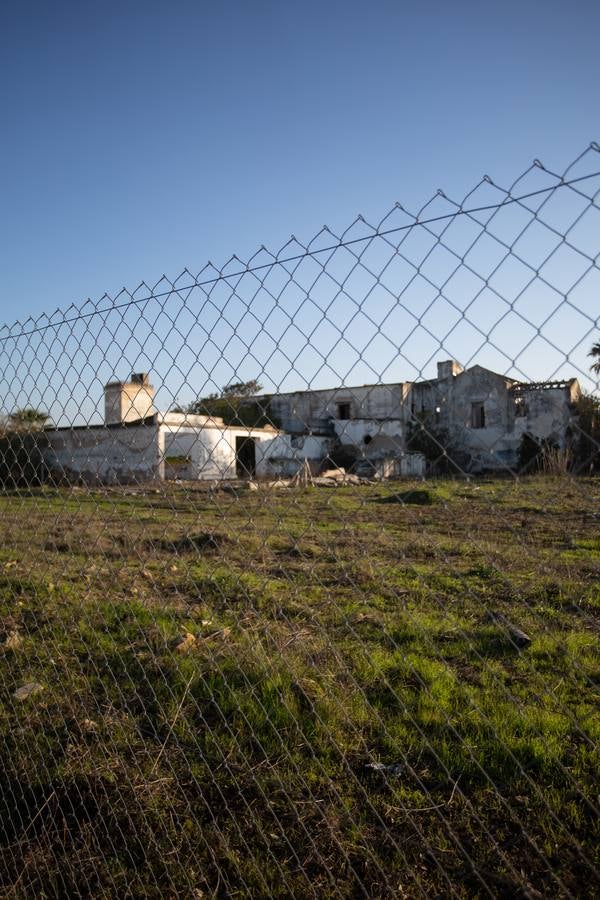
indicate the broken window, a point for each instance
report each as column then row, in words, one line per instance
column 343, row 410
column 477, row 415
column 520, row 406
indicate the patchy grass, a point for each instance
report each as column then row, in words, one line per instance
column 332, row 629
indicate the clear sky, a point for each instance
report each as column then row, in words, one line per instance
column 139, row 138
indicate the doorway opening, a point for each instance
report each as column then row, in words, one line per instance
column 245, row 457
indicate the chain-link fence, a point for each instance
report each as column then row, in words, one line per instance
column 299, row 568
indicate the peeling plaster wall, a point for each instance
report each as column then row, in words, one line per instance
column 145, row 452
column 109, row 455
column 496, row 446
column 449, row 400
column 312, row 410
column 355, row 431
column 285, row 454
column 380, row 447
column 409, row 465
column 548, row 413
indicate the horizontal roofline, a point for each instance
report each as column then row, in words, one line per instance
column 162, row 419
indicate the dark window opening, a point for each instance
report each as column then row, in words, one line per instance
column 477, row 415
column 520, row 407
column 245, row 457
column 343, row 410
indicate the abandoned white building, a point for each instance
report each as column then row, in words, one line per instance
column 482, row 415
column 137, row 443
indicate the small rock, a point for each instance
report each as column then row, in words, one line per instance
column 184, row 642
column 27, row 690
column 385, row 768
column 333, row 473
column 13, row 641
column 519, row 638
column 252, row 486
column 89, row 725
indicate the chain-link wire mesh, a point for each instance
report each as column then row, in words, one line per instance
column 299, row 568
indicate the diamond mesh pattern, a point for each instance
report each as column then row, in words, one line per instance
column 312, row 609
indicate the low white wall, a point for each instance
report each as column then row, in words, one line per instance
column 206, row 453
column 108, row 455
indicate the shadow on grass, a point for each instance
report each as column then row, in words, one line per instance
column 414, row 498
column 205, row 542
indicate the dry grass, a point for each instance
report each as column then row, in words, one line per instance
column 333, row 629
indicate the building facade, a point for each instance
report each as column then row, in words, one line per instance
column 476, row 415
column 138, row 444
column 480, row 414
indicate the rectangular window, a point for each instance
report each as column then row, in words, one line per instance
column 343, row 410
column 477, row 415
column 520, row 407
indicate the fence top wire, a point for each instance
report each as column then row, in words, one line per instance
column 367, row 690
column 562, row 181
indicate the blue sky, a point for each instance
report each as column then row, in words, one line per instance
column 142, row 138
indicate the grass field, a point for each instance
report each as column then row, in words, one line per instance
column 332, row 629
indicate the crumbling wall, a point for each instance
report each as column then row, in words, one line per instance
column 372, row 446
column 548, row 413
column 361, row 432
column 448, row 402
column 97, row 454
column 313, row 410
column 285, row 454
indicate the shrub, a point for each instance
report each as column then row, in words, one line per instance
column 21, row 459
column 585, row 435
column 437, row 444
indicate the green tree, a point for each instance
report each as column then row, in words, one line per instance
column 241, row 389
column 27, row 419
column 236, row 404
column 595, row 354
column 585, row 435
column 440, row 448
column 22, row 444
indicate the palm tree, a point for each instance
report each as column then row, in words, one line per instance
column 595, row 352
column 28, row 419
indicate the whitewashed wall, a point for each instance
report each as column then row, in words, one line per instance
column 285, row 454
column 109, row 455
column 211, row 451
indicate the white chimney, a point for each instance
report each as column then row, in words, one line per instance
column 128, row 401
